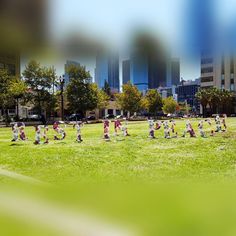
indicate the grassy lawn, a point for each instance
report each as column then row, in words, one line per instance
column 146, row 183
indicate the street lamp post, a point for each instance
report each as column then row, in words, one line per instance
column 62, row 83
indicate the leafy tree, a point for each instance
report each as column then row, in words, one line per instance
column 170, row 105
column 107, row 88
column 40, row 81
column 214, row 97
column 82, row 96
column 183, row 108
column 152, row 101
column 218, row 100
column 226, row 98
column 203, row 97
column 130, row 99
column 103, row 99
column 11, row 88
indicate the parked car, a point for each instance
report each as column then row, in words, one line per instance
column 91, row 118
column 119, row 117
column 109, row 116
column 34, row 117
column 75, row 117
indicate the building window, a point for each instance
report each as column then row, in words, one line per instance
column 232, row 65
column 206, row 61
column 207, row 79
column 207, row 70
column 232, row 80
column 11, row 69
column 1, row 66
column 110, row 111
column 223, row 66
column 222, row 82
column 232, row 87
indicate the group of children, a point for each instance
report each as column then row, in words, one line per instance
column 170, row 126
column 18, row 129
column 118, row 126
column 18, row 132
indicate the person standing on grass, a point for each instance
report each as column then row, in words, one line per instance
column 224, row 122
column 218, row 124
column 37, row 134
column 106, row 129
column 173, row 126
column 125, row 128
column 59, row 130
column 151, row 129
column 117, row 126
column 189, row 129
column 78, row 130
column 15, row 132
column 166, row 130
column 200, row 128
column 45, row 135
column 22, row 133
column 158, row 125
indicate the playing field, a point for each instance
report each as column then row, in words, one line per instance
column 144, row 184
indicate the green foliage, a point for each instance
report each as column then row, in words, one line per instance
column 40, row 81
column 152, row 101
column 130, row 99
column 11, row 88
column 170, row 105
column 81, row 94
column 183, row 108
column 107, row 88
column 103, row 99
column 217, row 100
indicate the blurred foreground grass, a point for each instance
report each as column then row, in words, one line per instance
column 151, row 187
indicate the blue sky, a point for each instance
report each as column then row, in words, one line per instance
column 113, row 21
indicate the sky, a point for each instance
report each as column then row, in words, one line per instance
column 114, row 21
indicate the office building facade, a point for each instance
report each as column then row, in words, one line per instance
column 125, row 71
column 107, row 70
column 186, row 93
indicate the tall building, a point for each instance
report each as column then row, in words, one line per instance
column 186, row 92
column 107, row 69
column 66, row 66
column 175, row 71
column 113, row 72
column 139, row 70
column 220, row 72
column 125, row 71
column 151, row 67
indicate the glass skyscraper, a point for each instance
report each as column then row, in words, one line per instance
column 107, row 70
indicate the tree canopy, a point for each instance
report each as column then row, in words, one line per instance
column 11, row 88
column 170, row 105
column 40, row 81
column 130, row 99
column 152, row 101
column 82, row 95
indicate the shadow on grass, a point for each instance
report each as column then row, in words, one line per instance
column 16, row 144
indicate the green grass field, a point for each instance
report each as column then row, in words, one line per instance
column 146, row 184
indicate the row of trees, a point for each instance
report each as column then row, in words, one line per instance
column 81, row 95
column 11, row 90
column 215, row 101
column 132, row 100
column 38, row 88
